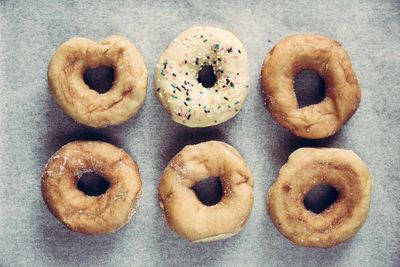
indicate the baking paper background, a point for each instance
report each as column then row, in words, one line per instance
column 33, row 128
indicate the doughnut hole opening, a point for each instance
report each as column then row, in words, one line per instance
column 100, row 79
column 309, row 88
column 207, row 76
column 320, row 198
column 92, row 184
column 209, row 191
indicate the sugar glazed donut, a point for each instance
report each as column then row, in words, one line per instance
column 185, row 213
column 91, row 214
column 306, row 169
column 325, row 56
column 177, row 71
column 123, row 100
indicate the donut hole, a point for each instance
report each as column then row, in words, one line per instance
column 209, row 191
column 320, row 198
column 92, row 184
column 100, row 79
column 207, row 76
column 309, row 88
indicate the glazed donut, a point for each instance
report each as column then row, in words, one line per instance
column 91, row 214
column 306, row 169
column 177, row 71
column 122, row 101
column 185, row 213
column 325, row 56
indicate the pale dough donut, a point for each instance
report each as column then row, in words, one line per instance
column 91, row 214
column 325, row 56
column 185, row 213
column 176, row 85
column 122, row 101
column 306, row 169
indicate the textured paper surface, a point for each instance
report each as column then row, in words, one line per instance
column 33, row 128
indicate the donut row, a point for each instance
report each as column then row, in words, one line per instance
column 187, row 215
column 195, row 101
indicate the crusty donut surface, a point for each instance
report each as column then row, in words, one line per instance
column 177, row 71
column 122, row 101
column 325, row 56
column 310, row 167
column 185, row 213
column 91, row 214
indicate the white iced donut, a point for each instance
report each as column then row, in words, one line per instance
column 176, row 77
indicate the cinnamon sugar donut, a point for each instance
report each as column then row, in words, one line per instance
column 327, row 57
column 91, row 214
column 306, row 169
column 122, row 101
column 185, row 213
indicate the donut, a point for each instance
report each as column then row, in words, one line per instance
column 177, row 72
column 306, row 169
column 325, row 56
column 122, row 101
column 185, row 213
column 91, row 214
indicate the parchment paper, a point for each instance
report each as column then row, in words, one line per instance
column 33, row 128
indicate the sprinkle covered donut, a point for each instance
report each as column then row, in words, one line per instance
column 177, row 73
column 185, row 213
column 328, row 58
column 308, row 168
column 85, row 105
column 101, row 214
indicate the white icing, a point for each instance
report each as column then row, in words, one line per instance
column 176, row 85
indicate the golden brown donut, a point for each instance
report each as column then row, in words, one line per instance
column 306, row 169
column 325, row 56
column 91, row 214
column 122, row 101
column 185, row 213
